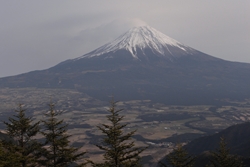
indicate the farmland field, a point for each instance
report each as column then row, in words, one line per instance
column 158, row 126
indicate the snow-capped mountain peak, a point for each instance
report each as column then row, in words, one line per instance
column 141, row 38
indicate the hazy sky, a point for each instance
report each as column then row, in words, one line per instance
column 37, row 35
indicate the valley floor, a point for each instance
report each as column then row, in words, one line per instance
column 159, row 126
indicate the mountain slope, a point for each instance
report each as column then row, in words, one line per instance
column 237, row 138
column 138, row 40
column 145, row 64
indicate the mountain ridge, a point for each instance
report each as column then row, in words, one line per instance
column 178, row 77
column 236, row 137
column 138, row 39
column 144, row 43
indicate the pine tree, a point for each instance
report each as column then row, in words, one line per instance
column 22, row 145
column 178, row 158
column 119, row 151
column 58, row 152
column 222, row 157
column 2, row 157
column 8, row 158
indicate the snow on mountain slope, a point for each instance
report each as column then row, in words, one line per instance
column 141, row 38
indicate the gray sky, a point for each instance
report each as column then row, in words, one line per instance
column 37, row 35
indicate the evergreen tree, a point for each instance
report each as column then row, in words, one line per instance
column 178, row 158
column 58, row 152
column 21, row 145
column 2, row 157
column 119, row 151
column 222, row 157
column 8, row 158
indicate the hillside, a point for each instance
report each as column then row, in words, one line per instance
column 236, row 136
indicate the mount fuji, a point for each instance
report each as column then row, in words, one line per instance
column 139, row 39
column 144, row 63
column 142, row 43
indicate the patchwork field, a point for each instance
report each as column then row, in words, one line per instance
column 158, row 126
